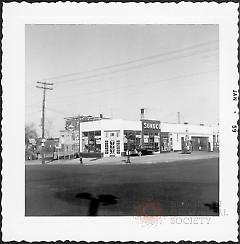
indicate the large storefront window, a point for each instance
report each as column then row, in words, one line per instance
column 118, row 146
column 151, row 139
column 91, row 141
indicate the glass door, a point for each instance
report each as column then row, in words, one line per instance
column 112, row 148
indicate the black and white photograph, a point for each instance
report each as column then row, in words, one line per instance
column 143, row 99
column 123, row 120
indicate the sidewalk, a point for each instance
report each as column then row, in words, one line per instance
column 148, row 159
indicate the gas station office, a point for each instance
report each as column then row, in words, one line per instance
column 108, row 137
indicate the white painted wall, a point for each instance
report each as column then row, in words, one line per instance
column 177, row 130
column 91, row 125
column 210, row 139
column 131, row 125
column 181, row 130
column 191, row 129
column 111, row 125
column 176, row 141
column 66, row 137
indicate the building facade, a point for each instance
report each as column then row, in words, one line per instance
column 108, row 137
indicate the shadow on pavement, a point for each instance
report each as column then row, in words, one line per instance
column 94, row 203
column 95, row 159
column 51, row 160
column 214, row 206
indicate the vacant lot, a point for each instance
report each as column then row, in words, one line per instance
column 177, row 188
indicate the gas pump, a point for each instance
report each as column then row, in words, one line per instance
column 187, row 145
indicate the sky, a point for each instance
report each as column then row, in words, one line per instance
column 118, row 69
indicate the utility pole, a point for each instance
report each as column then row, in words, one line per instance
column 45, row 86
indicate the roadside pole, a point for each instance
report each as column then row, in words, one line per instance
column 128, row 154
column 79, row 144
column 45, row 86
column 160, row 141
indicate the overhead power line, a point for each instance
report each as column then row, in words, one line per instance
column 55, row 111
column 133, row 61
column 144, row 65
column 133, row 85
column 92, row 82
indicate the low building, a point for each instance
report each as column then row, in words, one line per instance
column 34, row 148
column 108, row 137
column 201, row 137
column 68, row 144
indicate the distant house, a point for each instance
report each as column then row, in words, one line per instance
column 34, row 148
column 31, row 149
column 51, row 144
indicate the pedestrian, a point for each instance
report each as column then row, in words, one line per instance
column 80, row 159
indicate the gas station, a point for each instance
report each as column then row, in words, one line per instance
column 104, row 137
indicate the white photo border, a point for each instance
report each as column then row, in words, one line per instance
column 17, row 227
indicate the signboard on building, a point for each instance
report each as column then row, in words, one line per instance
column 98, row 141
column 146, row 139
column 32, row 141
column 150, row 128
column 72, row 123
column 156, row 138
column 151, row 125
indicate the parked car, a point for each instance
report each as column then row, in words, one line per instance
column 145, row 150
column 186, row 150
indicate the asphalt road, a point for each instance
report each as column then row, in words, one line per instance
column 165, row 189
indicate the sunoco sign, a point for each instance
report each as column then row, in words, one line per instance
column 151, row 125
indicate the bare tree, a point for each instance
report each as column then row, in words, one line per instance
column 31, row 137
column 30, row 132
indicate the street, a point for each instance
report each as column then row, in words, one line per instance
column 187, row 187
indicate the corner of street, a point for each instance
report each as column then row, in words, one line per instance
column 168, row 184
